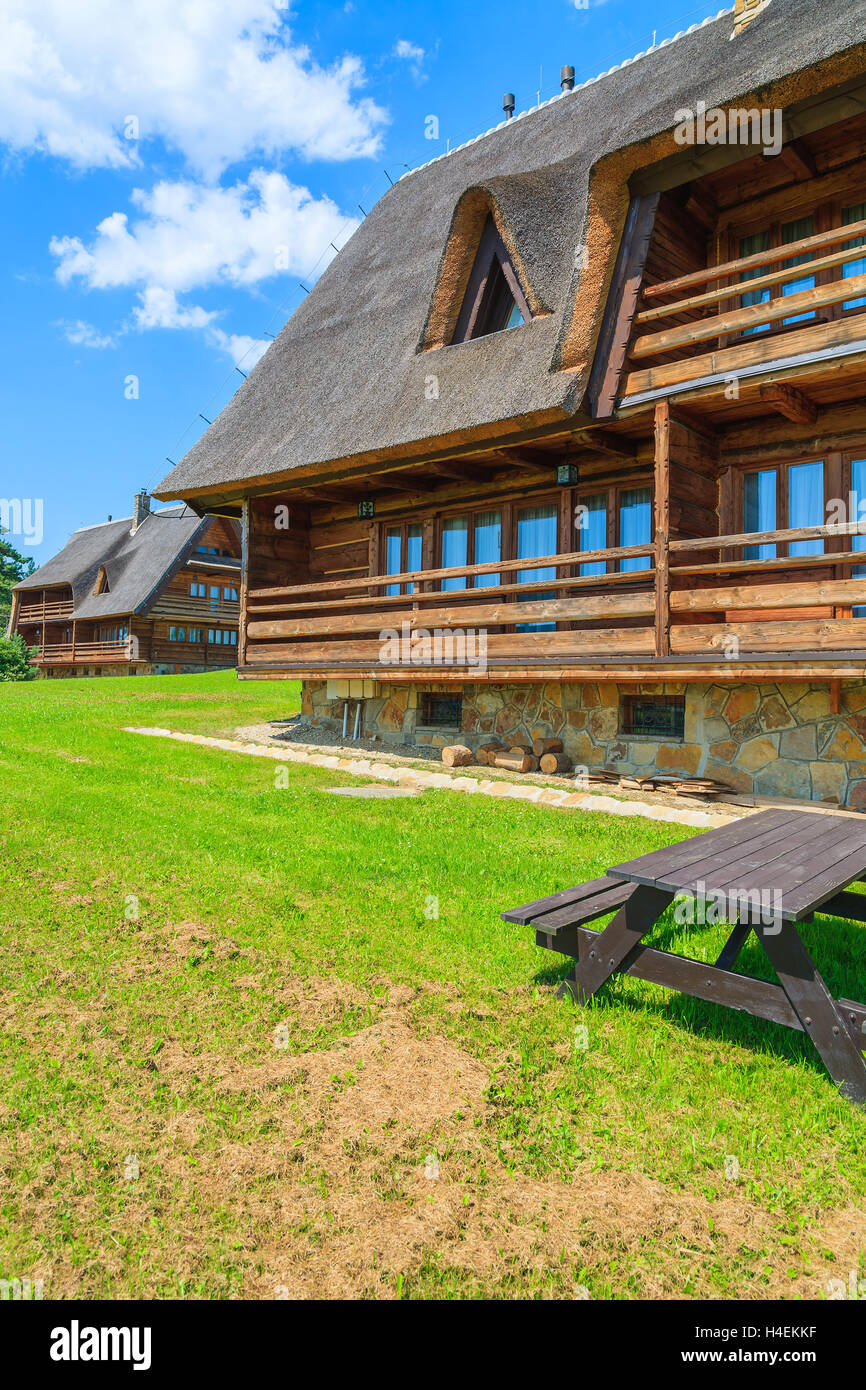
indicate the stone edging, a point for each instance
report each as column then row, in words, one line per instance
column 416, row 777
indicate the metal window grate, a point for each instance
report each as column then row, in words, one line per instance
column 441, row 711
column 661, row 716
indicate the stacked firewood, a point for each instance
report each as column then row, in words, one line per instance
column 546, row 755
column 542, row 755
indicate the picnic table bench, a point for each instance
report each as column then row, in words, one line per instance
column 798, row 862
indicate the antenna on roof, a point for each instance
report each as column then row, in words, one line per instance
column 508, row 105
column 566, row 78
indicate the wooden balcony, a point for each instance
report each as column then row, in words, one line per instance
column 682, row 618
column 180, row 607
column 52, row 653
column 705, row 334
column 44, row 612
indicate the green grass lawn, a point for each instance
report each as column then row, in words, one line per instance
column 260, row 1041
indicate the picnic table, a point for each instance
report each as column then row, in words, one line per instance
column 773, row 870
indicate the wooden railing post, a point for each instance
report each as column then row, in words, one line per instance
column 662, row 492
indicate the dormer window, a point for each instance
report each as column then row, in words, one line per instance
column 493, row 300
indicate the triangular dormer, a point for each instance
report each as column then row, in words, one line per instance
column 101, row 585
column 494, row 299
column 481, row 287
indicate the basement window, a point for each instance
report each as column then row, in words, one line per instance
column 440, row 711
column 653, row 716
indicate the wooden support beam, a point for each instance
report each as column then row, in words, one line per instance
column 663, row 528
column 797, row 157
column 792, row 403
column 603, row 442
column 835, row 697
column 615, row 333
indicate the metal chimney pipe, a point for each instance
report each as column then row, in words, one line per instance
column 508, row 105
column 566, row 78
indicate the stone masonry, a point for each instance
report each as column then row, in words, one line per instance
column 769, row 739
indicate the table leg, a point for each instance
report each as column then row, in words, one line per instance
column 610, row 949
column 815, row 1008
column 733, row 946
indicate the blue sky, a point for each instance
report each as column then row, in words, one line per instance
column 171, row 169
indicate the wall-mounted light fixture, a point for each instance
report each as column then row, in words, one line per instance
column 366, row 509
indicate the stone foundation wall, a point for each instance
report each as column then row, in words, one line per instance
column 770, row 739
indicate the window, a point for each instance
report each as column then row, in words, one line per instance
column 196, row 590
column 536, row 536
column 440, row 711
column 794, row 491
column 454, row 549
column 196, row 634
column 616, row 517
column 471, row 539
column 177, row 634
column 658, row 716
column 207, row 550
column 402, row 554
column 750, row 246
column 230, row 593
column 759, row 510
column 494, row 300
column 856, row 212
column 795, row 231
column 592, row 531
column 111, row 634
column 635, row 525
column 214, row 596
column 220, row 637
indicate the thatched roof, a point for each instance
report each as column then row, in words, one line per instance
column 346, row 377
column 136, row 566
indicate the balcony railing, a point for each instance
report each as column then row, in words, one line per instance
column 180, row 606
column 739, row 335
column 51, row 652
column 44, row 612
column 683, row 609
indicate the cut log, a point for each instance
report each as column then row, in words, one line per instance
column 515, row 761
column 457, row 755
column 546, row 745
column 555, row 762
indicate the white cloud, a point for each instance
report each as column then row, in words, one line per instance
column 243, row 350
column 188, row 235
column 158, row 308
column 404, row 49
column 218, row 80
column 413, row 55
column 84, row 334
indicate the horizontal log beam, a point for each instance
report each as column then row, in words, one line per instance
column 760, row 282
column 460, row 571
column 814, row 339
column 751, row 315
column 842, row 592
column 797, row 533
column 471, row 615
column 743, row 263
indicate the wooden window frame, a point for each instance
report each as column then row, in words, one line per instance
column 835, row 485
column 491, row 256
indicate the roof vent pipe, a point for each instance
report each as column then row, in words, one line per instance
column 566, row 78
column 508, row 105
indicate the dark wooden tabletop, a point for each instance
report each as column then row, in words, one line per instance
column 806, row 857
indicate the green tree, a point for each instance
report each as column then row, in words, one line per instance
column 13, row 568
column 15, row 659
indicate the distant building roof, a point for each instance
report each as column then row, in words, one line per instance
column 135, row 565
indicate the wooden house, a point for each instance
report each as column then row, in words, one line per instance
column 570, row 438
column 148, row 594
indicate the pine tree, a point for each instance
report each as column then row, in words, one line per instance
column 13, row 568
